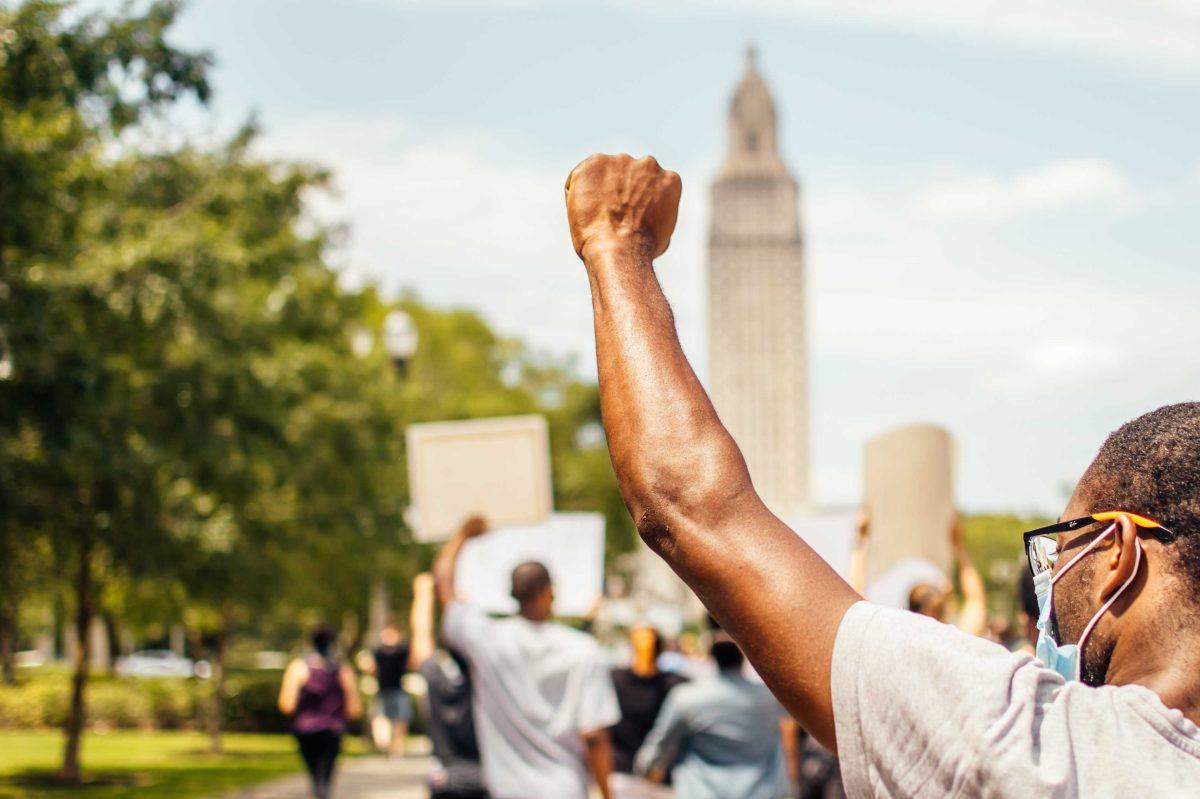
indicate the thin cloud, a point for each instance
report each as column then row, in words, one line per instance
column 1159, row 34
column 1058, row 186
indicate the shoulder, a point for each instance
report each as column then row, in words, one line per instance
column 692, row 693
column 579, row 641
column 461, row 615
column 296, row 671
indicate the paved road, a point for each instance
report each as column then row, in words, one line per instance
column 357, row 778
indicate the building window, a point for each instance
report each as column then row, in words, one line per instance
column 752, row 141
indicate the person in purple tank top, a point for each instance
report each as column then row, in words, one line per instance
column 319, row 694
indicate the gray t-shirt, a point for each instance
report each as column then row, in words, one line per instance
column 538, row 687
column 925, row 710
column 719, row 738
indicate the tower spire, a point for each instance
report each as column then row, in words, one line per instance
column 752, row 135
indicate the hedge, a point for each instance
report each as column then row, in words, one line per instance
column 163, row 703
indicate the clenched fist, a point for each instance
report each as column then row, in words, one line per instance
column 615, row 202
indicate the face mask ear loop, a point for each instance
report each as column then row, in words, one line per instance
column 1087, row 631
column 1095, row 543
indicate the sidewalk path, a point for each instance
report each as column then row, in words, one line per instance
column 371, row 777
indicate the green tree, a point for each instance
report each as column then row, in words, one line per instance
column 84, row 475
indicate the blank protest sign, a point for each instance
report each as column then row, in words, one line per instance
column 497, row 468
column 571, row 545
column 832, row 535
column 908, row 483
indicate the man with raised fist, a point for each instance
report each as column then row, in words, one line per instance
column 912, row 707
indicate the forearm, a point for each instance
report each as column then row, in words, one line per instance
column 350, row 691
column 444, row 566
column 598, row 750
column 973, row 618
column 421, row 622
column 688, row 489
column 858, row 567
column 669, row 449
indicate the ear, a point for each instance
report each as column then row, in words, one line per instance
column 1121, row 556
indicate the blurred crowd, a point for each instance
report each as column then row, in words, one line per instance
column 524, row 706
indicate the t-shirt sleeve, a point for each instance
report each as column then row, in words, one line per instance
column 598, row 706
column 924, row 709
column 465, row 627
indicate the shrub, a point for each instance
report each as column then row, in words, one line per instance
column 114, row 703
column 250, row 701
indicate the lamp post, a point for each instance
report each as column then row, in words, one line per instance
column 400, row 344
column 399, row 339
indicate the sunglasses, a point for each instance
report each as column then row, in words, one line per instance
column 1041, row 545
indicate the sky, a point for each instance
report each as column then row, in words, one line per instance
column 1000, row 199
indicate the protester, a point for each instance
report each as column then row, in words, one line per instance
column 319, row 693
column 720, row 737
column 911, row 706
column 935, row 599
column 456, row 772
column 543, row 697
column 389, row 662
column 1028, row 615
column 641, row 689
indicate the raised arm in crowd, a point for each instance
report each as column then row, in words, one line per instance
column 913, row 707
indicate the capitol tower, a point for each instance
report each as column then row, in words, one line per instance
column 756, row 320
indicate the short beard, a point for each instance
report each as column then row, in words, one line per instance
column 1094, row 670
column 1094, row 659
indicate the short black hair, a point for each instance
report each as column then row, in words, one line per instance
column 1151, row 466
column 727, row 654
column 322, row 638
column 529, row 580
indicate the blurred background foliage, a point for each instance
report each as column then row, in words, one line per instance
column 192, row 431
column 200, row 426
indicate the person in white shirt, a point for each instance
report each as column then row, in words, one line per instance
column 911, row 706
column 543, row 697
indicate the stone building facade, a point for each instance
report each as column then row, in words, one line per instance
column 756, row 318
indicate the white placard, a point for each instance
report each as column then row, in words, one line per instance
column 832, row 535
column 908, row 490
column 571, row 545
column 497, row 468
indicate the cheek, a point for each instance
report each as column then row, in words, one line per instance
column 1072, row 602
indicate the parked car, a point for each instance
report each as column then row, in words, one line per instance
column 155, row 663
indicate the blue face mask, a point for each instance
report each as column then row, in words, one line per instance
column 1062, row 658
column 1065, row 659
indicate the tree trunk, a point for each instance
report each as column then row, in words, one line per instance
column 8, row 641
column 111, row 626
column 70, row 770
column 216, row 710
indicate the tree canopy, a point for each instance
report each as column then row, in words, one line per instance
column 183, row 410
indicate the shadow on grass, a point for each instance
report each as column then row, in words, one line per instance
column 197, row 780
column 48, row 780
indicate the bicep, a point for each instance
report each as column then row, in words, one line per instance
column 289, row 687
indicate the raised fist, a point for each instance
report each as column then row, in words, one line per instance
column 615, row 202
column 473, row 527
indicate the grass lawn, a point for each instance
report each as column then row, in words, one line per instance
column 145, row 764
